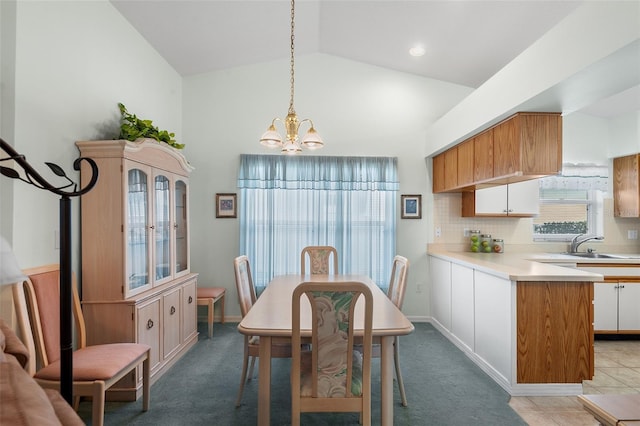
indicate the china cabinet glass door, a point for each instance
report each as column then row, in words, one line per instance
column 181, row 231
column 162, row 228
column 137, row 229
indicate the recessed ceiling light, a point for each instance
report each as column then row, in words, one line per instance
column 417, row 51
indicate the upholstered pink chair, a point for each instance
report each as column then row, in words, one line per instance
column 319, row 260
column 95, row 368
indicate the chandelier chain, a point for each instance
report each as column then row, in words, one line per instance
column 292, row 80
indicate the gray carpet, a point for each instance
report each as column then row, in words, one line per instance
column 443, row 388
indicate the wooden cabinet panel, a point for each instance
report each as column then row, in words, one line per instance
column 626, row 186
column 171, row 312
column 506, row 149
column 438, row 173
column 149, row 329
column 549, row 315
column 483, row 156
column 465, row 163
column 189, row 310
column 451, row 168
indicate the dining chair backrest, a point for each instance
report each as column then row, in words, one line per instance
column 336, row 378
column 244, row 284
column 319, row 260
column 42, row 286
column 398, row 281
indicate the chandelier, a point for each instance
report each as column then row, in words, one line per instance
column 272, row 139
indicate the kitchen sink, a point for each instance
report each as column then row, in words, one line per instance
column 595, row 255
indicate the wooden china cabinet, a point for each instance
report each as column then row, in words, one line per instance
column 136, row 280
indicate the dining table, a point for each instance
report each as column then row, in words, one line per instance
column 270, row 319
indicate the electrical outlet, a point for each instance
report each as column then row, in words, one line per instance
column 466, row 232
column 438, row 232
column 419, row 288
column 632, row 234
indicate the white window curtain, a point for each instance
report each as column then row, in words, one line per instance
column 287, row 203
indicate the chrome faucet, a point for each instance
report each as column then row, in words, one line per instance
column 582, row 238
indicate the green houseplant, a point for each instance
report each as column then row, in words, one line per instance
column 132, row 128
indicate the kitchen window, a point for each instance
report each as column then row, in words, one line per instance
column 571, row 204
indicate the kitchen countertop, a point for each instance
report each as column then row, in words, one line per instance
column 529, row 266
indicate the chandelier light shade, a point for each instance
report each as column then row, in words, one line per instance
column 291, row 146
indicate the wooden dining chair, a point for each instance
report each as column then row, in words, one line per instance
column 95, row 368
column 397, row 286
column 333, row 376
column 246, row 299
column 319, row 260
column 208, row 296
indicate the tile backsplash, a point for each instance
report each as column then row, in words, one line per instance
column 518, row 232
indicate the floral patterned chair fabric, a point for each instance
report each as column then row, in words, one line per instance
column 319, row 260
column 333, row 376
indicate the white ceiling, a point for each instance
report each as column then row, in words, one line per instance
column 466, row 42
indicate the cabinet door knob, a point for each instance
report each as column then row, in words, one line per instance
column 190, row 299
column 172, row 310
column 149, row 324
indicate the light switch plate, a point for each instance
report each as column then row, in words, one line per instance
column 632, row 234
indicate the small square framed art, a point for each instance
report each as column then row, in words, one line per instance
column 226, row 205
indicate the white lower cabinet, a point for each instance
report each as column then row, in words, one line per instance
column 617, row 307
column 493, row 321
column 462, row 304
column 441, row 291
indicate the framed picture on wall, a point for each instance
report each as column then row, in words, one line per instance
column 226, row 205
column 411, row 206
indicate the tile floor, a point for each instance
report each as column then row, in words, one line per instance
column 617, row 370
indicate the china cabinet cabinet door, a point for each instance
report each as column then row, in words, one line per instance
column 171, row 322
column 180, row 227
column 149, row 329
column 189, row 309
column 137, row 228
column 162, row 228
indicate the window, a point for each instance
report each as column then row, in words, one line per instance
column 287, row 203
column 571, row 204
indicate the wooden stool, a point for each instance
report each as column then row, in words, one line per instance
column 207, row 296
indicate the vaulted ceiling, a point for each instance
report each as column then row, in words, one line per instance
column 465, row 42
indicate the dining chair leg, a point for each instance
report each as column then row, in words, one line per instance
column 396, row 359
column 97, row 405
column 253, row 363
column 243, row 376
column 146, row 382
column 210, row 318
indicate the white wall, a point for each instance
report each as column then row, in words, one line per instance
column 74, row 61
column 356, row 108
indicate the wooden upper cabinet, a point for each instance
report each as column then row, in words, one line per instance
column 483, row 156
column 451, row 168
column 527, row 144
column 626, row 186
column 465, row 163
column 438, row 173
